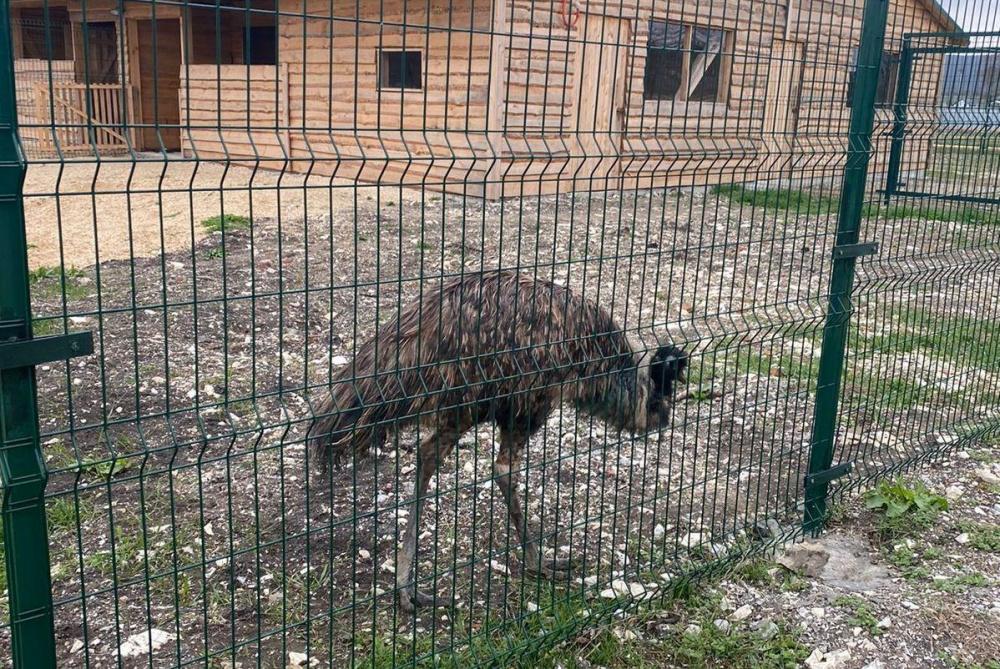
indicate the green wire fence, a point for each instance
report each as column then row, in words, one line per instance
column 398, row 333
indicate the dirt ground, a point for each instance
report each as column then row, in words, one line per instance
column 82, row 213
column 183, row 499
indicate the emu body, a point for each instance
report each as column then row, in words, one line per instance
column 494, row 346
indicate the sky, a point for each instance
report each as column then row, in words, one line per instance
column 974, row 15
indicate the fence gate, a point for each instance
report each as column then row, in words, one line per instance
column 945, row 147
column 225, row 227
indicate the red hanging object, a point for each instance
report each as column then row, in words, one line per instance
column 570, row 14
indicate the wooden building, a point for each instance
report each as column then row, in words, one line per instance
column 502, row 98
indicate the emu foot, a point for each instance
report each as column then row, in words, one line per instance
column 410, row 599
column 555, row 569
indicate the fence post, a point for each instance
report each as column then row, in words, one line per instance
column 899, row 109
column 845, row 253
column 22, row 470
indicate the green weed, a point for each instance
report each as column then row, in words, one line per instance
column 227, row 222
column 904, row 509
column 862, row 615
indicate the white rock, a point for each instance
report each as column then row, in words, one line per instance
column 885, row 623
column 339, row 360
column 954, row 492
column 76, row 647
column 875, row 664
column 363, row 554
column 691, row 540
column 766, row 629
column 962, row 538
column 742, row 613
column 692, row 630
column 301, row 660
column 832, row 660
column 144, row 643
column 818, row 611
column 987, row 475
column 500, row 567
column 659, row 531
column 531, row 606
column 722, row 625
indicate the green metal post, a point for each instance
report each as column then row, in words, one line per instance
column 22, row 470
column 902, row 100
column 845, row 255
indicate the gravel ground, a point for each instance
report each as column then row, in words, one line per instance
column 179, row 495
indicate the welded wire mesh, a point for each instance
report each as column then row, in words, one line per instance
column 236, row 197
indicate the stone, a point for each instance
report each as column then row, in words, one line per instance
column 885, row 623
column 962, row 538
column 742, row 613
column 954, row 492
column 144, row 643
column 987, row 475
column 296, row 659
column 659, row 531
column 766, row 629
column 692, row 630
column 832, row 660
column 722, row 625
column 839, row 560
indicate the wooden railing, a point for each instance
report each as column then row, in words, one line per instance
column 74, row 126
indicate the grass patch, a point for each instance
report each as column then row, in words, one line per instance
column 904, row 508
column 861, row 613
column 958, row 584
column 692, row 642
column 966, row 338
column 808, row 203
column 227, row 222
column 982, row 537
column 50, row 282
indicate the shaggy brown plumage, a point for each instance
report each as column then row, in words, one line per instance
column 495, row 346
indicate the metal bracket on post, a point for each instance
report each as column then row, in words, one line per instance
column 22, row 469
column 846, row 251
column 31, row 352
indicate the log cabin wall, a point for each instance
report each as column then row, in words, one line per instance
column 553, row 121
column 358, row 126
column 831, row 31
column 566, row 86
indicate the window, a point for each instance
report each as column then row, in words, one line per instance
column 888, row 71
column 101, row 43
column 259, row 48
column 41, row 30
column 400, row 69
column 686, row 63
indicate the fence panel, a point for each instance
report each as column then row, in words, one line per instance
column 610, row 194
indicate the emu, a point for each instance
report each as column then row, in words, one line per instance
column 497, row 346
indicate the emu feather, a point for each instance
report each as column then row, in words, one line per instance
column 495, row 346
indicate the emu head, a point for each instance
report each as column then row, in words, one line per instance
column 666, row 370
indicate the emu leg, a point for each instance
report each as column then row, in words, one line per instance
column 429, row 455
column 503, row 472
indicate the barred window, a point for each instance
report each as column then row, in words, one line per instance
column 400, row 69
column 686, row 63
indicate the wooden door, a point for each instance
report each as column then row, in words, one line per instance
column 601, row 74
column 781, row 110
column 159, row 83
